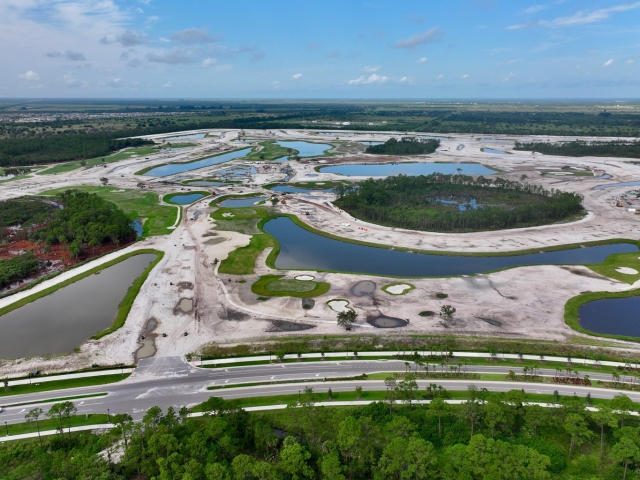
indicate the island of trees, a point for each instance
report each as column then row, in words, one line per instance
column 617, row 148
column 498, row 436
column 456, row 203
column 406, row 146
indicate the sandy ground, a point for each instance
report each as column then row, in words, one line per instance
column 521, row 302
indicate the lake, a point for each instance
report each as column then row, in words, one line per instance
column 306, row 149
column 242, row 202
column 173, row 168
column 64, row 320
column 411, row 169
column 304, row 250
column 615, row 316
column 185, row 198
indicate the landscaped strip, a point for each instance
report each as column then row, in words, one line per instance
column 56, row 400
column 125, row 305
column 291, row 288
column 572, row 311
column 36, row 387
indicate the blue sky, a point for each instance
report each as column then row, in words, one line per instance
column 375, row 49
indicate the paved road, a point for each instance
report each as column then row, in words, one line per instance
column 169, row 382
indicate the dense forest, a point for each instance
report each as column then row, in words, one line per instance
column 497, row 436
column 406, row 146
column 17, row 268
column 59, row 148
column 24, row 211
column 584, row 149
column 86, row 220
column 455, row 203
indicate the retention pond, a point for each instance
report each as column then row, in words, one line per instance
column 173, row 168
column 64, row 320
column 304, row 250
column 613, row 316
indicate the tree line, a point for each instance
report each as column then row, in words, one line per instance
column 18, row 267
column 489, row 435
column 86, row 221
column 406, row 146
column 415, row 202
column 617, row 148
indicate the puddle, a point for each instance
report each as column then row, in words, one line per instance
column 185, row 305
column 148, row 344
column 282, row 326
column 308, row 303
column 387, row 322
column 364, row 288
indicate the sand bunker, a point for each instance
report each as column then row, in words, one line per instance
column 304, row 277
column 627, row 270
column 227, row 214
column 398, row 289
column 338, row 305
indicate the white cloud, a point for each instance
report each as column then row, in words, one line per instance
column 608, row 62
column 580, row 17
column 440, row 77
column 432, row 35
column 371, row 69
column 29, row 76
column 408, row 80
column 373, row 78
column 209, row 62
column 192, row 35
column 466, row 75
column 296, row 76
column 167, row 85
column 422, row 60
column 629, row 62
column 535, row 9
column 70, row 81
column 506, row 78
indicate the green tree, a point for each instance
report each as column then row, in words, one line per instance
column 622, row 405
column 124, row 423
column 604, row 417
column 242, row 466
column 406, row 458
column 447, row 312
column 330, row 467
column 407, row 388
column 494, row 415
column 217, row 471
column 625, row 451
column 347, row 318
column 576, row 426
column 293, row 459
column 358, row 392
column 34, row 416
column 438, row 407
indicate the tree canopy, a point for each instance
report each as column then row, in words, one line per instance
column 406, row 146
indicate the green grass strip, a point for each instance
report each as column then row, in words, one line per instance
column 261, row 287
column 53, row 424
column 125, row 305
column 608, row 267
column 36, row 387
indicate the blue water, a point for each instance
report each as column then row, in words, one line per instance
column 616, row 316
column 186, row 198
column 242, row 202
column 306, row 149
column 173, row 168
column 185, row 137
column 304, row 250
column 411, row 169
column 493, row 150
column 288, row 189
column 137, row 226
column 612, row 185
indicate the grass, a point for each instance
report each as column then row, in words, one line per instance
column 170, row 196
column 608, row 267
column 135, row 204
column 62, row 384
column 572, row 311
column 116, row 157
column 53, row 424
column 288, row 288
column 123, row 308
column 404, row 292
column 270, row 151
column 125, row 305
column 56, row 400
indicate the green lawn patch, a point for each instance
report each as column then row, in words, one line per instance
column 608, row 267
column 135, row 204
column 37, row 387
column 270, row 151
column 168, row 198
column 403, row 292
column 242, row 260
column 272, row 285
column 53, row 424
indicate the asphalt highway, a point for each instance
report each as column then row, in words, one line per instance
column 169, row 381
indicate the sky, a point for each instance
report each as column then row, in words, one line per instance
column 329, row 49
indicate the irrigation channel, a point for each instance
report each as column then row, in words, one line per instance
column 411, row 169
column 301, row 249
column 613, row 316
column 62, row 321
column 173, row 168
